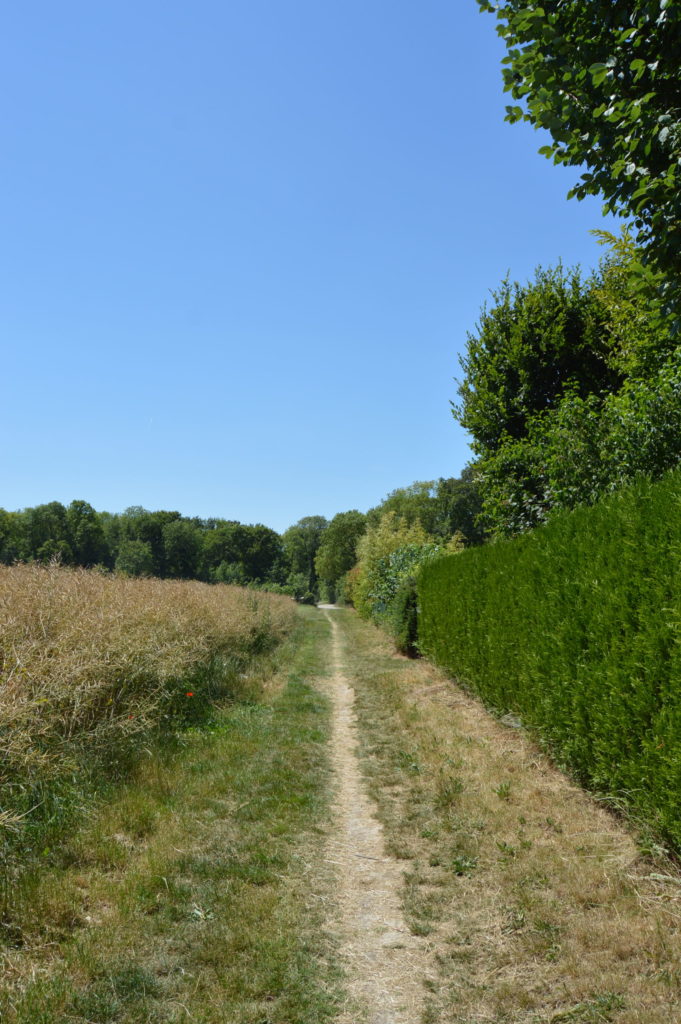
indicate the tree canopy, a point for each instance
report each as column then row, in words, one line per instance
column 603, row 79
column 301, row 543
column 569, row 392
column 535, row 341
column 337, row 552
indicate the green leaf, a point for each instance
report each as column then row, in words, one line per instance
column 514, row 114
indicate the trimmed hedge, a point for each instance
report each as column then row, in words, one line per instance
column 576, row 627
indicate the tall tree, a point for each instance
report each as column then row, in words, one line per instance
column 46, row 533
column 558, row 417
column 534, row 343
column 182, row 547
column 301, row 543
column 457, row 506
column 337, row 551
column 140, row 524
column 412, row 504
column 10, row 536
column 86, row 535
column 603, row 79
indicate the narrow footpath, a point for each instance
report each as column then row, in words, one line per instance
column 475, row 882
column 385, row 963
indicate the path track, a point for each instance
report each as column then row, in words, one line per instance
column 385, row 963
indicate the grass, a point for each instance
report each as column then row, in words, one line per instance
column 91, row 666
column 196, row 893
column 540, row 905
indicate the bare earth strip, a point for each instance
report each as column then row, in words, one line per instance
column 386, row 965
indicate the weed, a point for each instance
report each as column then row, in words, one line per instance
column 462, row 865
column 448, row 791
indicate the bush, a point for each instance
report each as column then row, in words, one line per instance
column 576, row 627
column 345, row 590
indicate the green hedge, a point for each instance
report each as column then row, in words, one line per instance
column 576, row 628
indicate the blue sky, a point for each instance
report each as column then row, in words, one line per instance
column 242, row 244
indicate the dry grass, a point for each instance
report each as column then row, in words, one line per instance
column 90, row 666
column 196, row 892
column 84, row 655
column 542, row 906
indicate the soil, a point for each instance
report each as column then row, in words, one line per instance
column 385, row 964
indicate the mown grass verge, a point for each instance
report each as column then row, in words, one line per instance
column 541, row 907
column 196, row 893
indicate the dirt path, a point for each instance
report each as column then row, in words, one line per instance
column 386, row 965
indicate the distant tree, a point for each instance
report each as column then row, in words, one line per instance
column 113, row 532
column 457, row 506
column 229, row 572
column 603, row 79
column 262, row 553
column 135, row 557
column 86, row 535
column 412, row 504
column 181, row 548
column 139, row 523
column 443, row 508
column 301, row 543
column 46, row 533
column 10, row 536
column 338, row 548
column 255, row 553
column 222, row 545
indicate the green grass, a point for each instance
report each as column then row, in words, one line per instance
column 196, row 895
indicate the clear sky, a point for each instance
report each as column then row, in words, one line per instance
column 241, row 244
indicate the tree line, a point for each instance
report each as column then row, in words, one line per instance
column 307, row 561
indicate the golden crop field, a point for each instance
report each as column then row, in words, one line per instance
column 89, row 661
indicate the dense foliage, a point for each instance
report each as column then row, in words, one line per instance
column 575, row 627
column 603, row 79
column 390, row 554
column 571, row 389
column 337, row 551
column 165, row 544
column 534, row 342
